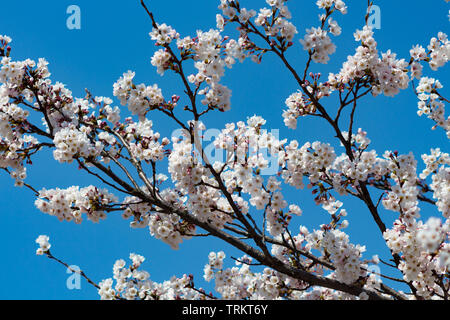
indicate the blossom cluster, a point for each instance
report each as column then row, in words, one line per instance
column 15, row 144
column 388, row 72
column 430, row 103
column 281, row 26
column 311, row 159
column 144, row 143
column 161, row 60
column 131, row 283
column 439, row 51
column 403, row 195
column 139, row 210
column 433, row 233
column 345, row 256
column 433, row 161
column 423, row 246
column 139, row 99
column 191, row 178
column 297, row 107
column 44, row 244
column 72, row 143
column 418, row 265
column 170, row 229
column 12, row 142
column 210, row 54
column 360, row 168
column 70, row 204
column 164, row 34
column 273, row 20
column 210, row 65
column 334, row 246
column 328, row 4
column 240, row 282
column 441, row 190
column 317, row 40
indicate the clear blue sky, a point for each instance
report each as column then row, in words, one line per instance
column 113, row 39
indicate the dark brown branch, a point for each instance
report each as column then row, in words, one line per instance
column 81, row 273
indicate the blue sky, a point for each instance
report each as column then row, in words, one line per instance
column 113, row 39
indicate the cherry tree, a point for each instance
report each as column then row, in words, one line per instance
column 232, row 199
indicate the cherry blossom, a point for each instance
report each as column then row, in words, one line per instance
column 172, row 187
